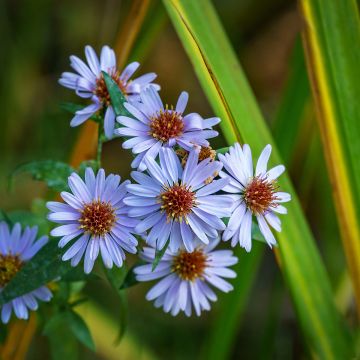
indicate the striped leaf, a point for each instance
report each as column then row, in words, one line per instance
column 332, row 38
column 231, row 98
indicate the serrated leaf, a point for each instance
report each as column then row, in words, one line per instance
column 44, row 267
column 116, row 96
column 54, row 173
column 159, row 254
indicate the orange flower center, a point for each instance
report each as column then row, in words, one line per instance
column 97, row 218
column 259, row 195
column 9, row 266
column 189, row 266
column 177, row 201
column 101, row 90
column 167, row 124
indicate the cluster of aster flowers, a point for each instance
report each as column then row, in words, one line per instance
column 183, row 200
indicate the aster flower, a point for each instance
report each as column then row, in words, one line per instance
column 16, row 248
column 255, row 193
column 155, row 126
column 96, row 215
column 89, row 83
column 186, row 276
column 178, row 203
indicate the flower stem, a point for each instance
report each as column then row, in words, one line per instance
column 99, row 146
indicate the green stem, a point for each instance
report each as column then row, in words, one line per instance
column 99, row 146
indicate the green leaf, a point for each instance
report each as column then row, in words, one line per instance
column 291, row 113
column 54, row 173
column 116, row 96
column 331, row 38
column 159, row 254
column 79, row 329
column 44, row 267
column 63, row 344
column 130, row 278
column 226, row 87
column 116, row 277
column 88, row 163
column 72, row 108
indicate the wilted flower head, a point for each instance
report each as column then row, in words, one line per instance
column 96, row 214
column 16, row 248
column 178, row 203
column 186, row 277
column 89, row 83
column 155, row 126
column 255, row 193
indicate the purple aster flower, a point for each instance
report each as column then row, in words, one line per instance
column 96, row 215
column 89, row 83
column 16, row 248
column 186, row 276
column 155, row 127
column 178, row 203
column 254, row 194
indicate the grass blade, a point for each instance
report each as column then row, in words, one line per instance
column 229, row 93
column 332, row 29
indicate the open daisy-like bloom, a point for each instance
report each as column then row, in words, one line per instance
column 178, row 203
column 255, row 193
column 186, row 277
column 89, row 83
column 16, row 248
column 155, row 126
column 94, row 212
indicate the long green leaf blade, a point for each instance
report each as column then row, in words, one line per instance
column 331, row 38
column 229, row 93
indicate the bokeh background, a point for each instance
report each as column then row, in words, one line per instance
column 38, row 36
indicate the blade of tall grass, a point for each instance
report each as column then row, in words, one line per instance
column 286, row 124
column 290, row 113
column 229, row 93
column 331, row 38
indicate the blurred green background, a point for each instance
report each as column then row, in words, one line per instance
column 38, row 36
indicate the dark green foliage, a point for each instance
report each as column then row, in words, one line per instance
column 53, row 173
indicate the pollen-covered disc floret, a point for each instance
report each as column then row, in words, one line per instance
column 178, row 203
column 96, row 216
column 166, row 125
column 88, row 82
column 153, row 126
column 101, row 90
column 16, row 248
column 187, row 278
column 259, row 195
column 255, row 193
column 190, row 265
column 206, row 152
